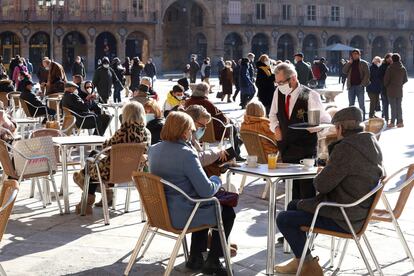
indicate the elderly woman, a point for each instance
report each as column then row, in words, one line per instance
column 226, row 80
column 56, row 79
column 132, row 130
column 208, row 158
column 255, row 121
column 200, row 97
column 375, row 87
column 175, row 160
column 154, row 119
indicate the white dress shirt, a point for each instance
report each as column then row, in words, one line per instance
column 314, row 103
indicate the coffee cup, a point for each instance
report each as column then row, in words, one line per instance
column 251, row 161
column 314, row 117
column 308, row 162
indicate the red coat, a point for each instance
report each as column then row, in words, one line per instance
column 214, row 112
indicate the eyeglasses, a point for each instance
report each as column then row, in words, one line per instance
column 283, row 82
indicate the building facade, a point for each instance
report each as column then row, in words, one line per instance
column 171, row 30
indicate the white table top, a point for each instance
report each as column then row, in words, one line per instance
column 113, row 105
column 26, row 120
column 283, row 170
column 79, row 140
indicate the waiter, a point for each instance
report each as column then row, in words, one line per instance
column 291, row 102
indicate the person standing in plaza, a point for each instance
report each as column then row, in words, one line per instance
column 127, row 75
column 226, row 77
column 252, row 69
column 13, row 63
column 16, row 72
column 78, row 68
column 322, row 70
column 384, row 98
column 206, row 71
column 136, row 70
column 194, row 68
column 265, row 82
column 375, row 87
column 119, row 72
column 56, row 79
column 29, row 65
column 236, row 78
column 304, row 70
column 394, row 80
column 150, row 70
column 357, row 71
column 103, row 79
column 290, row 105
column 247, row 89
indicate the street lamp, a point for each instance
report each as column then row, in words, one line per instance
column 51, row 5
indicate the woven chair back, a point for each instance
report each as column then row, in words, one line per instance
column 6, row 162
column 7, row 193
column 254, row 145
column 209, row 135
column 125, row 159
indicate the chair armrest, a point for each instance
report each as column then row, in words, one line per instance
column 401, row 186
column 96, row 158
column 268, row 139
column 9, row 201
column 198, row 200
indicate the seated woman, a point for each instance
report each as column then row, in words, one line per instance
column 154, row 119
column 174, row 160
column 175, row 99
column 87, row 94
column 132, row 130
column 255, row 121
column 23, row 78
column 208, row 158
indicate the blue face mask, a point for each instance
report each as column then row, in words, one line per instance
column 200, row 132
column 149, row 117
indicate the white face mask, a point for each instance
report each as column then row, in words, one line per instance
column 180, row 97
column 285, row 89
column 267, row 62
column 89, row 90
column 106, row 65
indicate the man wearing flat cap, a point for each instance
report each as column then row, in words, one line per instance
column 34, row 104
column 303, row 69
column 354, row 169
column 85, row 118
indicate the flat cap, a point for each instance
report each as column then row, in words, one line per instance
column 351, row 113
column 69, row 84
column 300, row 54
column 28, row 82
column 143, row 88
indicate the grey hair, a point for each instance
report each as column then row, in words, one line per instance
column 198, row 112
column 201, row 90
column 350, row 127
column 133, row 112
column 287, row 69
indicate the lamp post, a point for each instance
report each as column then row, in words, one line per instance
column 51, row 5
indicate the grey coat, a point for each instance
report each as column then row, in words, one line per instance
column 354, row 169
column 394, row 79
column 179, row 164
column 363, row 70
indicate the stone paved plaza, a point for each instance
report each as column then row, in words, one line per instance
column 41, row 242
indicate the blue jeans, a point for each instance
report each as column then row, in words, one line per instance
column 357, row 91
column 290, row 221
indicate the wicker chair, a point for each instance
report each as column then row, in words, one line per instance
column 125, row 159
column 376, row 126
column 4, row 99
column 376, row 192
column 25, row 105
column 9, row 171
column 14, row 101
column 151, row 190
column 8, row 196
column 70, row 118
column 254, row 145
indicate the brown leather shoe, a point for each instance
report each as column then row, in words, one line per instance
column 79, row 179
column 390, row 125
column 109, row 196
column 287, row 267
column 312, row 268
column 89, row 204
column 400, row 125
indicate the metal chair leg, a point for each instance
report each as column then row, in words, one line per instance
column 342, row 256
column 332, row 259
column 308, row 244
column 32, row 189
column 137, row 248
column 243, row 182
column 114, row 198
column 266, row 190
column 2, row 271
column 174, row 253
column 56, row 194
column 371, row 252
column 185, row 249
column 127, row 199
column 364, row 257
column 148, row 243
column 338, row 245
column 41, row 193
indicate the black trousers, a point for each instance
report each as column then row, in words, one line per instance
column 373, row 103
column 193, row 78
column 303, row 188
column 199, row 239
column 102, row 123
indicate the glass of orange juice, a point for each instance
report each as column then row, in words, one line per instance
column 272, row 160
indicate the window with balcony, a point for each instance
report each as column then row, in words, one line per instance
column 286, row 12
column 106, row 7
column 401, row 18
column 379, row 16
column 74, row 8
column 311, row 13
column 234, row 12
column 41, row 10
column 138, row 7
column 335, row 14
column 7, row 7
column 260, row 11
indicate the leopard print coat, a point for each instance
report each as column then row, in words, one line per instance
column 127, row 133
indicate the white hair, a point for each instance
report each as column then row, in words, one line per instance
column 288, row 69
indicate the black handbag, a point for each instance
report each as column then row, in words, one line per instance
column 227, row 198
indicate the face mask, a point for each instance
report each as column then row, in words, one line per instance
column 20, row 64
column 180, row 97
column 89, row 90
column 285, row 89
column 200, row 132
column 106, row 65
column 47, row 68
column 20, row 78
column 378, row 64
column 149, row 117
column 267, row 62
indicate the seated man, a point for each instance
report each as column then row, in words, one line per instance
column 141, row 94
column 353, row 170
column 200, row 97
column 148, row 82
column 73, row 102
column 36, row 107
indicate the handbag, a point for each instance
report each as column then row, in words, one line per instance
column 226, row 198
column 40, row 146
column 219, row 95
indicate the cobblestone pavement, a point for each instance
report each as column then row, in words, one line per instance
column 39, row 241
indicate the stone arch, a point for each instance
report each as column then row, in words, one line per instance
column 209, row 16
column 310, row 47
column 105, row 46
column 400, row 46
column 358, row 42
column 260, row 44
column 379, row 46
column 73, row 45
column 285, row 47
column 333, row 57
column 233, row 46
column 39, row 47
column 137, row 44
column 10, row 44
